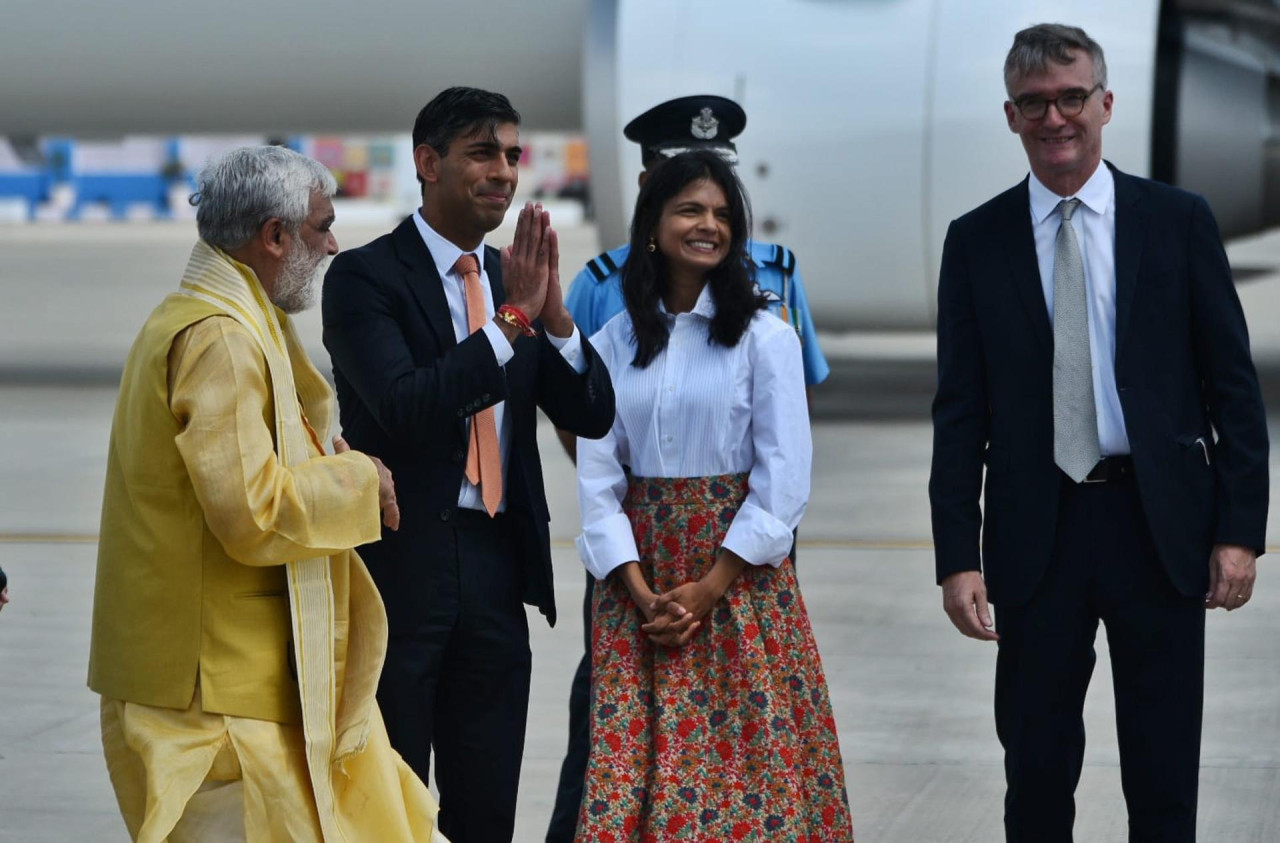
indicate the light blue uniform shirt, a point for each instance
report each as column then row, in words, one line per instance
column 595, row 297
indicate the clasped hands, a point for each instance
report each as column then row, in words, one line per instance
column 674, row 616
column 531, row 274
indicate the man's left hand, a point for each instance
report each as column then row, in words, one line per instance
column 555, row 316
column 1232, row 572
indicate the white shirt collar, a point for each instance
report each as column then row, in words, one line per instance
column 705, row 306
column 443, row 252
column 1098, row 194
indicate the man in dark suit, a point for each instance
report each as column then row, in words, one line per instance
column 1092, row 352
column 442, row 352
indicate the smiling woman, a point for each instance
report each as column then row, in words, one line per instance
column 706, row 681
column 690, row 230
column 693, row 233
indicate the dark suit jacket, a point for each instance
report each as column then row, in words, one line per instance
column 1182, row 369
column 406, row 387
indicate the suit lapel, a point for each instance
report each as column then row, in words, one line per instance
column 1024, row 267
column 1132, row 217
column 423, row 280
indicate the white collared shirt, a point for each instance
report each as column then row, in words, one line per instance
column 445, row 254
column 697, row 410
column 1094, row 222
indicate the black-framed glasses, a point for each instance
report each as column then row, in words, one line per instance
column 1069, row 104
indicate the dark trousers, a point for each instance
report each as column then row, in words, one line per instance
column 573, row 771
column 1104, row 568
column 458, row 684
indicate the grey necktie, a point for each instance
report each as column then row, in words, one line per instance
column 1075, row 416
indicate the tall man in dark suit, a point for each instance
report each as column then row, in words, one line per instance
column 1092, row 352
column 442, row 352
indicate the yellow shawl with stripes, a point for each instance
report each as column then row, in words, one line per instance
column 352, row 767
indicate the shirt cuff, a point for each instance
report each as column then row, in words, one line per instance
column 501, row 348
column 607, row 544
column 758, row 537
column 570, row 349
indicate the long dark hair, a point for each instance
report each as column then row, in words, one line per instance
column 645, row 274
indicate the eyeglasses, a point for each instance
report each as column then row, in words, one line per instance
column 1069, row 104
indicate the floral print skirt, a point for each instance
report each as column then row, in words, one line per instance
column 730, row 737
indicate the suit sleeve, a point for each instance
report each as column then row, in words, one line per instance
column 1230, row 386
column 960, row 419
column 367, row 343
column 262, row 512
column 581, row 403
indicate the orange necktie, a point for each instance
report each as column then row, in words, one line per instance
column 484, row 462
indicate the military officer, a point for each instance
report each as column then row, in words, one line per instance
column 667, row 129
column 595, row 297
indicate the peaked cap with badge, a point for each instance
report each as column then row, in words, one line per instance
column 684, row 124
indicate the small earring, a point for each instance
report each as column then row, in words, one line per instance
column 653, row 245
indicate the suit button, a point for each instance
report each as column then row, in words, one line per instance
column 456, row 455
column 446, row 514
column 462, row 413
column 484, row 399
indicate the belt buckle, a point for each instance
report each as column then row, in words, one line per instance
column 1103, row 478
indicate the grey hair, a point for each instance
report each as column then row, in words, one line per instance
column 239, row 190
column 1034, row 47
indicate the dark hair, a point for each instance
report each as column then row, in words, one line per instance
column 644, row 275
column 459, row 111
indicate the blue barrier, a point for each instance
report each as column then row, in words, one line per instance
column 33, row 187
column 119, row 191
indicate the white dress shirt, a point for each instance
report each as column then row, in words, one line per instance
column 1094, row 222
column 445, row 254
column 697, row 410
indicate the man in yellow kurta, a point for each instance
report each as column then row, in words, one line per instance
column 237, row 638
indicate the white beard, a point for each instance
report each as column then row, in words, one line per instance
column 298, row 280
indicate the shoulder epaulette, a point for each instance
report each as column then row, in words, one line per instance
column 783, row 258
column 602, row 266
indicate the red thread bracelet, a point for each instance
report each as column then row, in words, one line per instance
column 515, row 317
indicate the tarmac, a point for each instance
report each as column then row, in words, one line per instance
column 912, row 698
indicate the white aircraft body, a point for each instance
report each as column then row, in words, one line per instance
column 871, row 123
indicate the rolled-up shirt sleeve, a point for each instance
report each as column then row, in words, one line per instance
column 607, row 539
column 778, row 483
